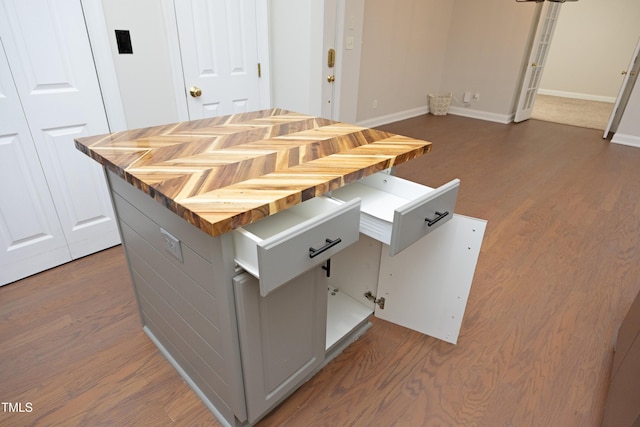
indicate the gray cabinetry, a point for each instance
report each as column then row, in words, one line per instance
column 246, row 317
column 182, row 279
column 282, row 337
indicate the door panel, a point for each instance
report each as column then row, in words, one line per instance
column 31, row 238
column 426, row 288
column 628, row 83
column 80, row 192
column 537, row 60
column 218, row 45
column 50, row 58
column 282, row 337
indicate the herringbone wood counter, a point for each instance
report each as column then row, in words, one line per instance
column 226, row 172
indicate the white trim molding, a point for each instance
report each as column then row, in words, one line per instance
column 575, row 95
column 395, row 117
column 456, row 111
column 482, row 115
column 631, row 140
column 103, row 60
column 175, row 60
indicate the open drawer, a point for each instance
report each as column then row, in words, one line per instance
column 398, row 212
column 284, row 245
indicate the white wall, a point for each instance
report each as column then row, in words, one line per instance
column 415, row 47
column 145, row 80
column 403, row 51
column 486, row 51
column 593, row 42
column 296, row 54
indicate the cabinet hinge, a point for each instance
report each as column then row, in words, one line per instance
column 259, row 70
column 379, row 301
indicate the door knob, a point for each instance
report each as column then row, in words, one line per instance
column 534, row 65
column 331, row 78
column 195, row 91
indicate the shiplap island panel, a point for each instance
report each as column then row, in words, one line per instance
column 257, row 254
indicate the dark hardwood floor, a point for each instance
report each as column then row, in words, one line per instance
column 559, row 268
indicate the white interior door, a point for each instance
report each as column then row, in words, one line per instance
column 50, row 60
column 219, row 51
column 31, row 238
column 628, row 83
column 547, row 21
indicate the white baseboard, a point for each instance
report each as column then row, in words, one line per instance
column 456, row 111
column 575, row 95
column 482, row 115
column 395, row 117
column 623, row 139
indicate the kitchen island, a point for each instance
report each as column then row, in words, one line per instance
column 259, row 244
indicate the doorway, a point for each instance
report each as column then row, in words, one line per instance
column 205, row 35
column 575, row 89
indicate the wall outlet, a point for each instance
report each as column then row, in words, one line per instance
column 374, row 104
column 171, row 244
column 466, row 98
column 476, row 97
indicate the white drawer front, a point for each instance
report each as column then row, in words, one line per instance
column 398, row 212
column 420, row 217
column 282, row 246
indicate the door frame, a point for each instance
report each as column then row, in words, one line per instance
column 107, row 78
column 331, row 40
column 624, row 93
column 175, row 59
column 347, row 23
column 537, row 16
column 536, row 58
column 345, row 92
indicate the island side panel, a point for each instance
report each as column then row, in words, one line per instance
column 187, row 305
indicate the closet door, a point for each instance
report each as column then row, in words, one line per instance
column 31, row 238
column 48, row 51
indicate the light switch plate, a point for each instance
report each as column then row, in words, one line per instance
column 123, row 40
column 171, row 244
column 350, row 42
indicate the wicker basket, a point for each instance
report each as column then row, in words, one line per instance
column 439, row 104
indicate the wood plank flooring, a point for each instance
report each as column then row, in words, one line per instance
column 559, row 268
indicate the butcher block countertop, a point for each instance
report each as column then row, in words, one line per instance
column 226, row 172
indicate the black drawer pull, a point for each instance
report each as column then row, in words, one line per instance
column 330, row 243
column 441, row 215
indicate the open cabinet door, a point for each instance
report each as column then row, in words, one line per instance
column 628, row 82
column 547, row 21
column 426, row 288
